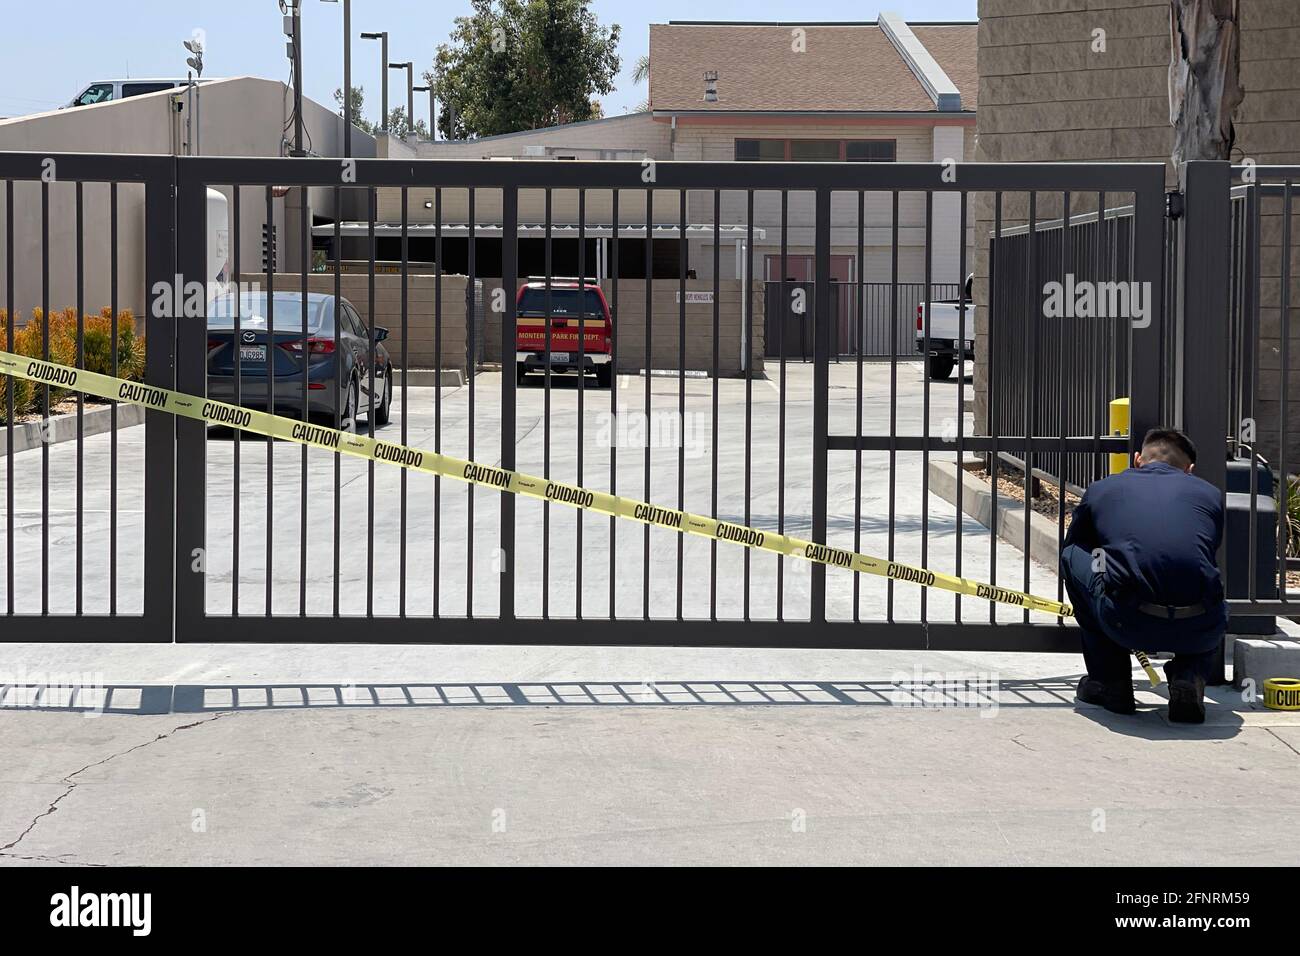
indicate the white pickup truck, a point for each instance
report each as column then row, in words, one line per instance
column 946, row 327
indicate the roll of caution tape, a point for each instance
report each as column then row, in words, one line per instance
column 1282, row 693
column 501, row 479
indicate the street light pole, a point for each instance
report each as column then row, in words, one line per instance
column 195, row 63
column 347, row 75
column 297, row 81
column 409, row 67
column 292, row 10
column 433, row 117
column 383, row 52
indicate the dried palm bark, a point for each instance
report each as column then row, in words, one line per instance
column 1204, row 77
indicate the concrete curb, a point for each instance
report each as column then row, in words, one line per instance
column 94, row 421
column 1259, row 658
column 977, row 501
column 428, row 377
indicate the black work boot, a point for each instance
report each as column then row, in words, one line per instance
column 1187, row 701
column 1116, row 696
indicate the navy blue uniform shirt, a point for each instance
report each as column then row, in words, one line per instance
column 1160, row 529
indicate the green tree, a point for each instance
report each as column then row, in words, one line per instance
column 397, row 125
column 641, row 73
column 523, row 64
column 358, row 108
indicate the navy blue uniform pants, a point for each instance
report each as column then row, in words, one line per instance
column 1110, row 632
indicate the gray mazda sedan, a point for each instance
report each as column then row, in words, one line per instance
column 336, row 351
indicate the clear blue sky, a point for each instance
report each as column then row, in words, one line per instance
column 53, row 50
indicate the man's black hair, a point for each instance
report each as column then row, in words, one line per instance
column 1168, row 444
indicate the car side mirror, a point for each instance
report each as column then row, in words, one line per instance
column 380, row 334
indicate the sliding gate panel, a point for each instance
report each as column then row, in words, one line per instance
column 922, row 459
column 86, row 506
column 683, row 404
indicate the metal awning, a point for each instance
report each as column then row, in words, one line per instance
column 537, row 230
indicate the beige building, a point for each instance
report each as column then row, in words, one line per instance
column 236, row 117
column 1087, row 80
column 881, row 91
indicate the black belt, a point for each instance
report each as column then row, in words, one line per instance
column 1172, row 612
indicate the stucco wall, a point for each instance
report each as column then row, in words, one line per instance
column 422, row 320
column 665, row 326
column 240, row 117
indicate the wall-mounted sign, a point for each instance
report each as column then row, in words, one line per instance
column 695, row 297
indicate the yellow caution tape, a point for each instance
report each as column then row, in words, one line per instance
column 501, row 479
column 1282, row 693
column 1152, row 675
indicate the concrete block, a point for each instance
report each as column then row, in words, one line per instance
column 1258, row 659
column 977, row 501
column 63, row 428
column 416, row 377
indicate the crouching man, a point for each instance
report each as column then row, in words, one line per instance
column 1139, row 565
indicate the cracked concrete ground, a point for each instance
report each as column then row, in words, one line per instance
column 347, row 754
column 424, row 755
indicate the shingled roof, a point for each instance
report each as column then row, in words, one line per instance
column 843, row 68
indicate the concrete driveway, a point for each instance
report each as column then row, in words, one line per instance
column 225, row 754
column 627, row 433
column 458, row 755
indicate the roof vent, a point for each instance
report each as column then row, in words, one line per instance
column 710, row 86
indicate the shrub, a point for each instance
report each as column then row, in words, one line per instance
column 24, row 391
column 1291, row 514
column 97, row 347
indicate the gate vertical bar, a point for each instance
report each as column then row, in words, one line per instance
column 159, row 427
column 1206, row 230
column 1148, row 270
column 191, row 378
column 509, row 383
column 821, row 394
column 11, row 324
column 1205, row 237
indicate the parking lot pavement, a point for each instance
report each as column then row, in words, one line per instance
column 748, row 489
column 459, row 755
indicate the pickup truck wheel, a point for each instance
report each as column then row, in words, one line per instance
column 605, row 375
column 521, row 373
column 940, row 366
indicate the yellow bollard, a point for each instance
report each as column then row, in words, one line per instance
column 1119, row 424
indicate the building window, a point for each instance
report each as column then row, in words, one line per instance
column 816, row 150
column 870, row 150
column 760, row 150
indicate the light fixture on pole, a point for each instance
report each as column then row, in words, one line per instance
column 409, row 67
column 347, row 75
column 383, row 53
column 195, row 62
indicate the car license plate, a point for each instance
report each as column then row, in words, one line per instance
column 559, row 356
column 252, row 353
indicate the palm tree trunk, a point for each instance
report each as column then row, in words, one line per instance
column 1204, row 77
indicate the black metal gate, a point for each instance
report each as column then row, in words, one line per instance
column 270, row 542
